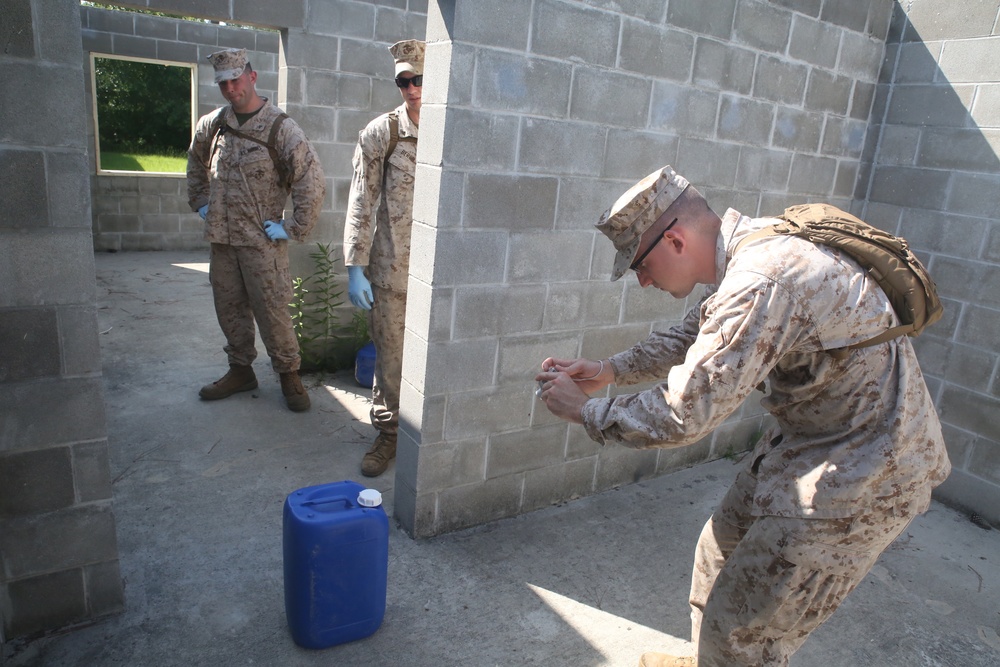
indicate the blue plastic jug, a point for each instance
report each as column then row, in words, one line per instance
column 336, row 558
column 364, row 365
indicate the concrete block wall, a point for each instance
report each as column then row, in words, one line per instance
column 536, row 115
column 932, row 173
column 135, row 211
column 58, row 551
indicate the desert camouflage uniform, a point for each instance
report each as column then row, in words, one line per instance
column 855, row 454
column 249, row 273
column 377, row 237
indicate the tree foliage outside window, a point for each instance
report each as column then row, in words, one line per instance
column 143, row 108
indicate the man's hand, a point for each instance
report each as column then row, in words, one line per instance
column 358, row 288
column 275, row 231
column 561, row 395
column 203, row 211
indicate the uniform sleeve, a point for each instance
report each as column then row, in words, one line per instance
column 744, row 333
column 365, row 193
column 199, row 155
column 308, row 182
column 653, row 358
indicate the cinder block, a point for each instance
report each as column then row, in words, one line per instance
column 18, row 32
column 495, row 410
column 560, row 147
column 392, row 26
column 828, row 92
column 343, row 19
column 583, row 200
column 972, row 150
column 513, row 202
column 653, row 50
column 600, row 343
column 574, row 32
column 135, row 47
column 763, row 169
column 807, row 7
column 91, row 471
column 744, row 120
column 683, row 110
column 861, row 101
column 573, row 306
column 629, row 155
column 520, row 357
column 986, row 113
column 459, row 257
column 916, row 188
column 58, row 540
column 107, row 20
column 978, row 328
column 991, row 250
column 96, row 41
column 707, row 163
column 489, row 24
column 80, row 349
column 797, row 130
column 844, row 137
column 971, row 411
column 474, row 504
column 531, row 258
column 479, row 140
column 444, row 465
column 529, row 449
column 617, row 464
column 41, row 603
column 860, row 56
column 973, row 194
column 35, row 482
column 988, row 288
column 918, row 63
column 453, row 366
column 780, row 81
column 498, row 310
column 762, row 25
column 536, row 86
column 431, row 312
column 558, row 483
column 963, row 19
column 198, row 33
column 812, row 175
column 156, row 27
column 22, row 177
column 678, row 458
column 970, row 368
column 104, row 589
column 68, row 190
column 592, row 90
column 642, row 304
column 579, row 447
column 707, row 17
column 31, row 349
column 879, row 15
column 851, row 15
column 46, row 412
column 816, row 42
column 847, row 178
column 278, row 14
column 723, row 65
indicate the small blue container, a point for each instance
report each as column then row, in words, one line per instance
column 364, row 365
column 336, row 557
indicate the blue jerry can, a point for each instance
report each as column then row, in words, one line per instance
column 336, row 558
column 364, row 365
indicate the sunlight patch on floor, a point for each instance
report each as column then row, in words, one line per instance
column 612, row 636
column 197, row 266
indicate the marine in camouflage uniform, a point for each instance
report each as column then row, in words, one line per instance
column 377, row 243
column 235, row 184
column 856, row 446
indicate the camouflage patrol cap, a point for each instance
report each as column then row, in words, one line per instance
column 228, row 64
column 636, row 211
column 409, row 56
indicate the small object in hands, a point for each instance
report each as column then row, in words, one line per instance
column 541, row 383
column 275, row 231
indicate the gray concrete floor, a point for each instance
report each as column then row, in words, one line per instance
column 199, row 489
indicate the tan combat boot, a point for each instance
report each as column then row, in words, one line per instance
column 378, row 457
column 239, row 378
column 295, row 394
column 664, row 660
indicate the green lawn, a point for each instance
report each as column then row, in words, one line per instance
column 135, row 162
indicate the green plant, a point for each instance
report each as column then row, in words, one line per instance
column 314, row 311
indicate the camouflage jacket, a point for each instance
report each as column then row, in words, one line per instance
column 851, row 429
column 377, row 229
column 238, row 180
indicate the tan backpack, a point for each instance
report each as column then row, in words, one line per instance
column 886, row 258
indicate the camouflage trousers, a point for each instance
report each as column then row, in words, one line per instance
column 762, row 584
column 386, row 326
column 251, row 283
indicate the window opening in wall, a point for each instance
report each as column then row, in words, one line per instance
column 144, row 113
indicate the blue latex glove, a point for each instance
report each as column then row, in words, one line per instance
column 358, row 287
column 203, row 211
column 275, row 231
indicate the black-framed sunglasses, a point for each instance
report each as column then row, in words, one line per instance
column 417, row 81
column 638, row 260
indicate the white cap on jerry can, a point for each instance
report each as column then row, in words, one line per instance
column 369, row 498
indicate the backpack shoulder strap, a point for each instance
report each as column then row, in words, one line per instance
column 393, row 138
column 270, row 145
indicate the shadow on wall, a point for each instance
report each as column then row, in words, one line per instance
column 931, row 173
